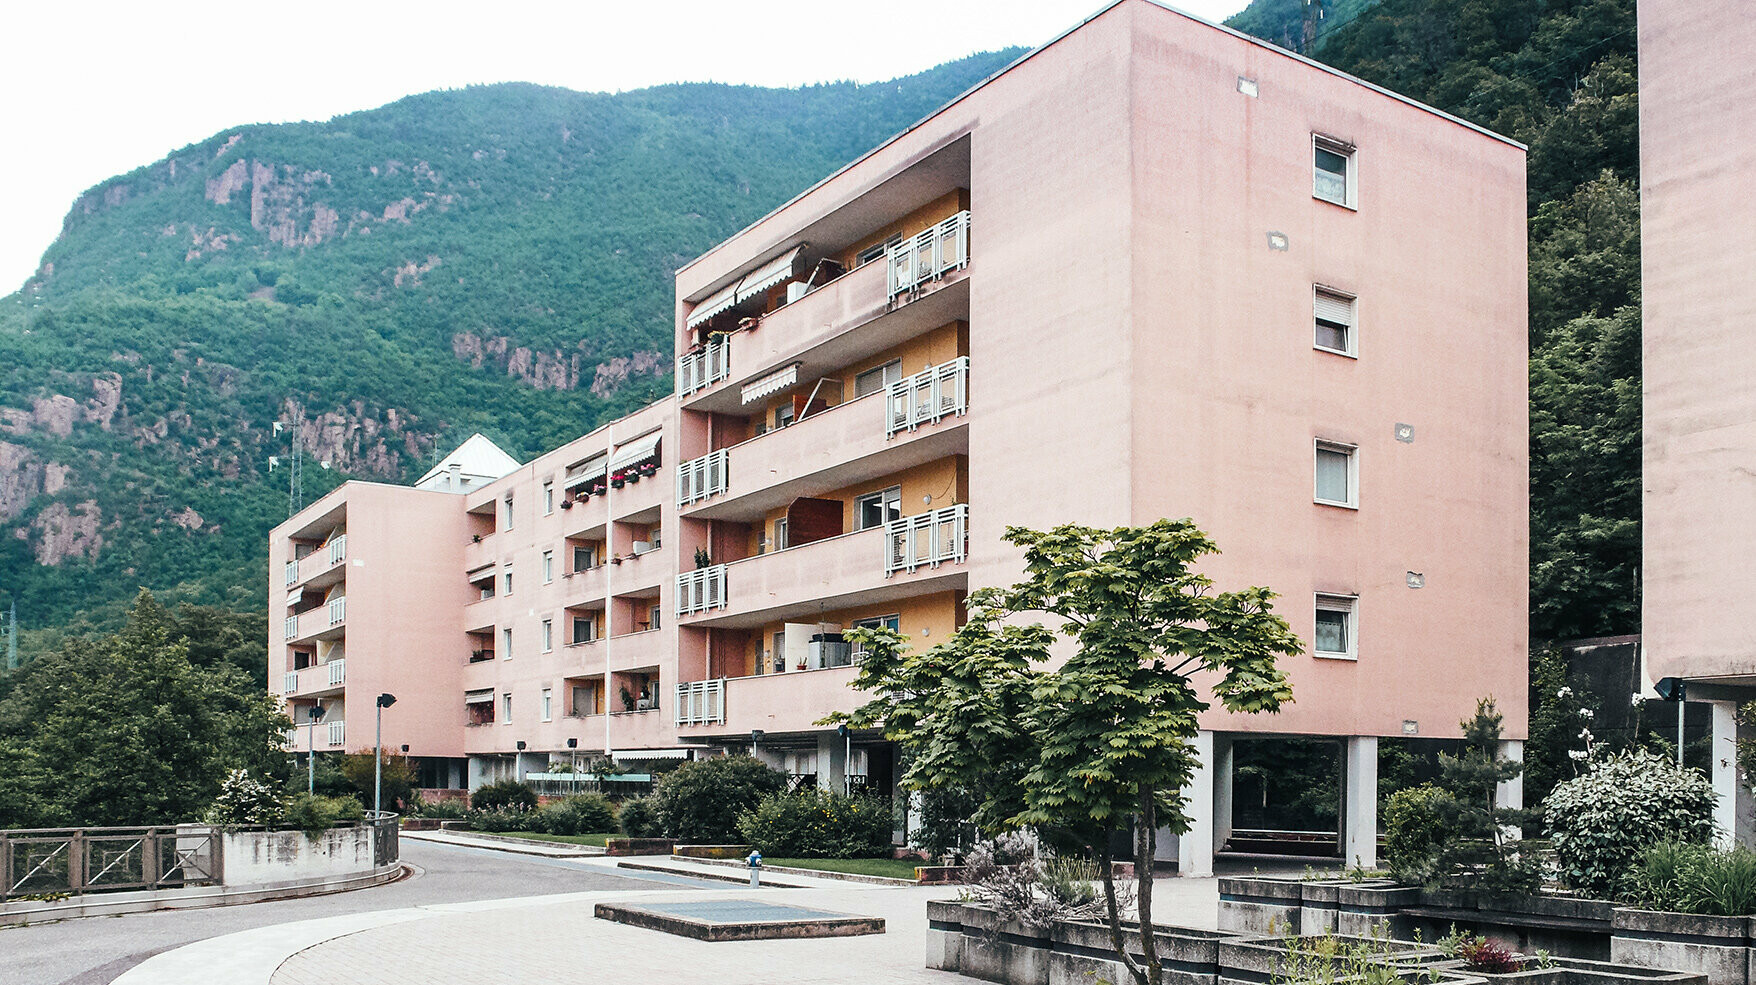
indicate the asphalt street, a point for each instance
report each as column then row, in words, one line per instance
column 95, row 950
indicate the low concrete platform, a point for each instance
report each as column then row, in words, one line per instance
column 739, row 920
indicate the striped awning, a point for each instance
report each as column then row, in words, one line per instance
column 478, row 697
column 636, row 451
column 774, row 382
column 643, row 754
column 592, row 468
column 748, row 286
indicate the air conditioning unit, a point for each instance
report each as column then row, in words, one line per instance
column 642, row 546
column 797, row 290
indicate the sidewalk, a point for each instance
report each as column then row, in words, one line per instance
column 555, row 939
column 519, row 846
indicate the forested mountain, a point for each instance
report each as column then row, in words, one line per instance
column 384, row 283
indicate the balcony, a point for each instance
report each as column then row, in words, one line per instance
column 323, row 566
column 849, row 319
column 701, row 478
column 337, row 672
column 929, row 256
column 337, row 733
column 321, row 622
column 919, row 420
column 317, row 679
column 774, row 703
column 704, row 367
column 913, row 556
column 290, row 682
column 701, row 702
column 634, row 651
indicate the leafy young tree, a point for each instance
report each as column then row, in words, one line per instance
column 1480, row 846
column 700, row 801
column 398, row 777
column 1104, row 739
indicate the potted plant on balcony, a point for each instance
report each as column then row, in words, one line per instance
column 649, row 468
column 627, row 697
column 702, row 558
column 617, row 480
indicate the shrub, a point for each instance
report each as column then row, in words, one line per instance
column 701, row 801
column 638, row 820
column 398, row 777
column 586, row 813
column 1603, row 821
column 243, row 799
column 818, row 824
column 506, row 793
column 509, row 817
column 1413, row 834
column 1696, row 879
column 314, row 814
column 443, row 810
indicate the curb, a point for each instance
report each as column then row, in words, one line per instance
column 515, row 846
column 697, row 874
column 195, row 898
column 793, row 870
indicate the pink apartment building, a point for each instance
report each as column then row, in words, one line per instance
column 1154, row 268
column 1699, row 360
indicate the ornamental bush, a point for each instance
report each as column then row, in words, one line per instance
column 1603, row 821
column 586, row 813
column 1696, row 879
column 637, row 819
column 507, row 817
column 819, row 824
column 1413, row 834
column 243, row 799
column 316, row 814
column 506, row 793
column 700, row 802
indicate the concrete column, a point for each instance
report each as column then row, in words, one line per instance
column 1359, row 842
column 832, row 763
column 1511, row 792
column 1222, row 791
column 1724, row 765
column 1195, row 849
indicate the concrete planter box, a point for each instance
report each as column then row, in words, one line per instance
column 1365, row 909
column 1573, row 971
column 713, row 851
column 1082, row 954
column 1009, row 952
column 1717, row 947
column 945, row 935
column 1259, row 905
column 938, row 875
column 1250, row 961
column 639, row 846
column 969, row 939
column 1571, row 926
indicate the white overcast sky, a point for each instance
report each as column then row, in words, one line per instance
column 92, row 89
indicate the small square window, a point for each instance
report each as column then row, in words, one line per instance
column 1338, row 480
column 1335, row 629
column 1333, row 171
column 1334, row 316
column 877, row 509
column 584, row 629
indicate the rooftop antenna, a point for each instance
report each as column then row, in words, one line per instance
column 295, row 470
column 1312, row 19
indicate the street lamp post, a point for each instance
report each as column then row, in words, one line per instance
column 385, row 700
column 311, row 749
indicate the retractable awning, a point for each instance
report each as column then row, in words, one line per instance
column 774, row 382
column 640, row 754
column 478, row 697
column 636, row 451
column 592, row 468
column 762, row 278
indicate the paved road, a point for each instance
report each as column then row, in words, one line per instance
column 95, row 950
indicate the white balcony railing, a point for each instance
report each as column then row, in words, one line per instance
column 929, row 256
column 293, row 736
column 338, row 672
column 701, row 590
column 338, row 550
column 701, row 702
column 702, row 477
column 338, row 611
column 927, row 539
column 927, row 396
column 292, row 573
column 291, row 630
column 704, row 367
column 337, row 733
column 289, row 684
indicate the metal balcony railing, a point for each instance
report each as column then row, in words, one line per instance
column 703, row 477
column 289, row 683
column 701, row 590
column 928, row 256
column 337, row 732
column 701, row 702
column 338, row 550
column 338, row 672
column 927, row 539
column 704, row 367
column 927, row 396
column 292, row 573
column 291, row 629
column 338, row 611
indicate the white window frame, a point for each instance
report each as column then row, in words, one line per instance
column 891, row 621
column 781, row 539
column 1343, row 149
column 506, row 642
column 652, row 616
column 506, row 583
column 884, row 497
column 548, row 635
column 549, row 497
column 508, row 525
column 548, row 704
column 888, row 373
column 591, row 629
column 506, row 707
column 1349, row 605
column 1318, row 447
column 548, row 566
column 1318, row 292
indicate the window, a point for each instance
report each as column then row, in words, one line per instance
column 548, row 497
column 783, row 415
column 1335, row 635
column 652, row 617
column 548, row 706
column 506, row 588
column 585, row 700
column 875, row 251
column 548, row 566
column 780, row 652
column 874, row 380
column 506, row 643
column 584, row 629
column 506, row 708
column 877, row 509
column 780, row 534
column 508, row 511
column 892, row 622
column 1338, row 479
column 583, row 558
column 656, row 541
column 1332, row 170
column 1333, row 313
column 548, row 635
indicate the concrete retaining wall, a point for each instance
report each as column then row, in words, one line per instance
column 259, row 857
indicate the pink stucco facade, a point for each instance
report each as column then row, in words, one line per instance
column 1085, row 291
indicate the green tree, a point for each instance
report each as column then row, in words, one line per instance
column 1480, row 846
column 399, row 777
column 700, row 801
column 1104, row 739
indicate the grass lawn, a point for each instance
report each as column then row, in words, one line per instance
column 592, row 839
column 892, row 867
